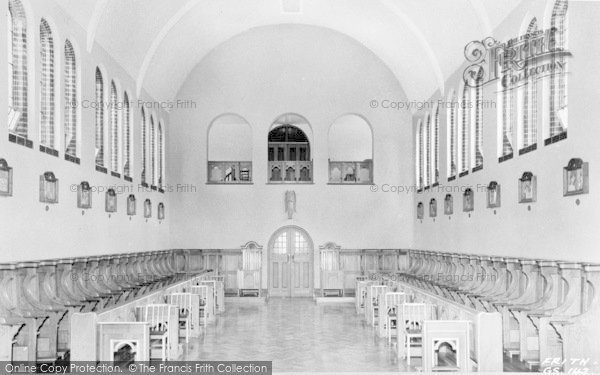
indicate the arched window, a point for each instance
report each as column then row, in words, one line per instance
column 289, row 150
column 507, row 98
column 126, row 136
column 229, row 150
column 144, row 131
column 350, row 145
column 160, row 155
column 114, row 127
column 47, row 86
column 452, row 136
column 558, row 78
column 419, row 156
column 528, row 138
column 152, row 152
column 17, row 70
column 464, row 130
column 477, row 152
column 99, row 119
column 435, row 147
column 427, row 151
column 71, row 122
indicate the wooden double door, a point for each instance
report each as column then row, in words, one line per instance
column 291, row 264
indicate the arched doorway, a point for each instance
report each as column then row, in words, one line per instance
column 289, row 150
column 290, row 263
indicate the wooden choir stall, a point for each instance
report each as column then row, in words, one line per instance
column 483, row 309
column 105, row 307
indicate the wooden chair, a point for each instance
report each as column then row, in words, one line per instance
column 411, row 323
column 157, row 317
column 392, row 301
column 219, row 290
column 377, row 293
column 206, row 299
column 183, row 301
column 362, row 284
column 214, row 294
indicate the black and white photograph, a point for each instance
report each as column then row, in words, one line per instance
column 267, row 187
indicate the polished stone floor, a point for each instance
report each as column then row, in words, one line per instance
column 297, row 335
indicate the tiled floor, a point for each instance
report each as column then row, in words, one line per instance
column 297, row 335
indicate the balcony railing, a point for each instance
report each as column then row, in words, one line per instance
column 229, row 172
column 290, row 172
column 351, row 172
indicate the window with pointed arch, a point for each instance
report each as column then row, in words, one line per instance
column 99, row 119
column 435, row 147
column 419, row 156
column 152, row 152
column 144, row 131
column 17, row 73
column 114, row 130
column 47, row 87
column 427, row 151
column 452, row 131
column 463, row 134
column 477, row 107
column 529, row 101
column 160, row 150
column 126, row 120
column 558, row 124
column 507, row 99
column 71, row 91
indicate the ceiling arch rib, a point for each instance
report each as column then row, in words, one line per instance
column 92, row 28
column 158, row 40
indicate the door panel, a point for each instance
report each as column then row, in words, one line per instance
column 291, row 260
column 279, row 267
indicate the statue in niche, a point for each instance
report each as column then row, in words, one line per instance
column 290, row 203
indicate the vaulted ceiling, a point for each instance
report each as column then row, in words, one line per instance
column 159, row 42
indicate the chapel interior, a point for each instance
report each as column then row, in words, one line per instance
column 376, row 186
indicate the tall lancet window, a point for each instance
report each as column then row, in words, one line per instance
column 17, row 69
column 477, row 105
column 558, row 77
column 160, row 156
column 435, row 147
column 452, row 136
column 507, row 98
column 464, row 129
column 114, row 127
column 529, row 103
column 152, row 152
column 99, row 119
column 47, row 84
column 144, row 130
column 427, row 150
column 419, row 155
column 70, row 79
column 126, row 136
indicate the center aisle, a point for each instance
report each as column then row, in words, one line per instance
column 297, row 335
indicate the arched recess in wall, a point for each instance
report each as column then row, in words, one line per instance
column 289, row 150
column 350, row 145
column 229, row 150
